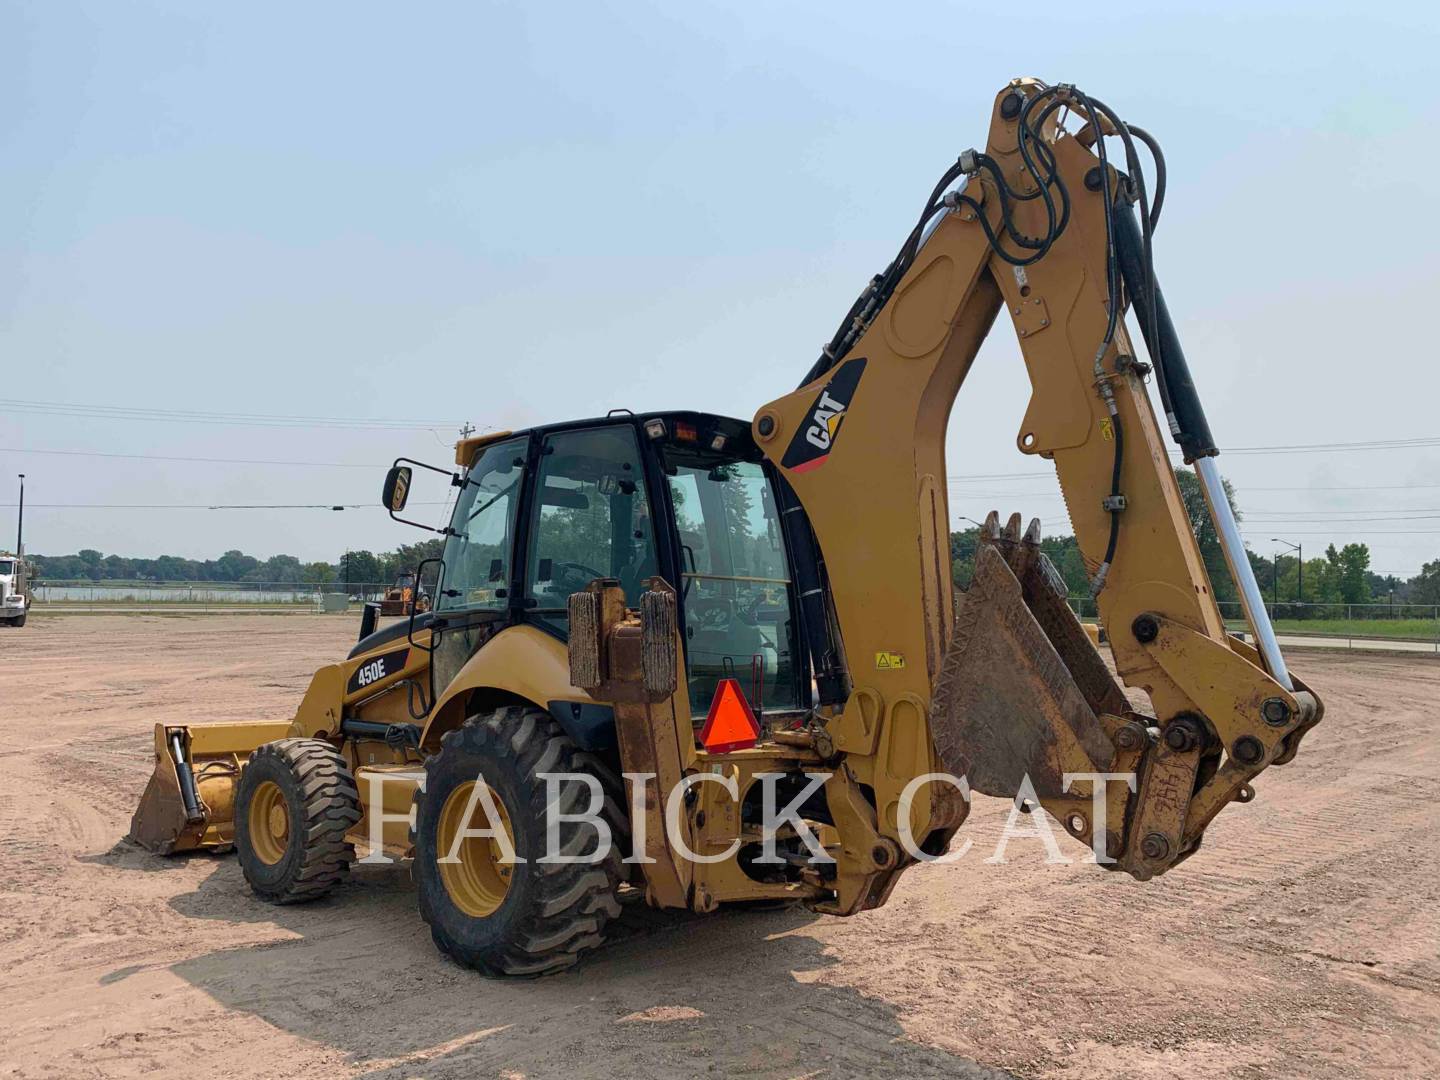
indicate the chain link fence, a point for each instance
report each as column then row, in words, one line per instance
column 1403, row 627
column 1406, row 627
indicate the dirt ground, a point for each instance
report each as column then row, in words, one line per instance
column 1304, row 939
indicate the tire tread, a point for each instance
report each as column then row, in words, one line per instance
column 571, row 902
column 330, row 801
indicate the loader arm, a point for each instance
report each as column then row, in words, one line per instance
column 999, row 683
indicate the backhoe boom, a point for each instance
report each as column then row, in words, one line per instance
column 1002, row 688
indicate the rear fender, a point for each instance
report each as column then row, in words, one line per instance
column 524, row 665
column 519, row 665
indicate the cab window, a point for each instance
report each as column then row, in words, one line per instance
column 735, row 582
column 591, row 520
column 478, row 552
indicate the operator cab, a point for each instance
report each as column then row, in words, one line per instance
column 687, row 496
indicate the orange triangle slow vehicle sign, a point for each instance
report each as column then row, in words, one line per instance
column 730, row 725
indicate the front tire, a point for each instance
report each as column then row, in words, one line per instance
column 296, row 801
column 534, row 918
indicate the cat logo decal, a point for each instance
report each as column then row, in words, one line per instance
column 812, row 444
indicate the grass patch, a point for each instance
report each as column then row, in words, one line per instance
column 1421, row 629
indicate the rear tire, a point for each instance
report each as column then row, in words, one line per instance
column 548, row 913
column 19, row 620
column 296, row 801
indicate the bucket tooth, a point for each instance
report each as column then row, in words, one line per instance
column 1032, row 534
column 1012, row 529
column 1005, row 704
column 992, row 526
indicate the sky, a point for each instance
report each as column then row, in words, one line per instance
column 391, row 220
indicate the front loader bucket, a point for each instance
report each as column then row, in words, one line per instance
column 189, row 802
column 1021, row 687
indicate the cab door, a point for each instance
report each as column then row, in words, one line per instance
column 474, row 595
column 590, row 517
column 736, row 594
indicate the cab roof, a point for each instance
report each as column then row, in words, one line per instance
column 704, row 428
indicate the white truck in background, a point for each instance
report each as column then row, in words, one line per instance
column 15, row 595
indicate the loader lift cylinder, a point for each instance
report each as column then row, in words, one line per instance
column 186, row 776
column 1193, row 434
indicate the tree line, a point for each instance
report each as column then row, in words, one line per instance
column 1341, row 575
column 353, row 567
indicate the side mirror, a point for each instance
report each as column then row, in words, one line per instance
column 397, row 488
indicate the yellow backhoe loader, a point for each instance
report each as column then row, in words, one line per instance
column 755, row 622
column 398, row 597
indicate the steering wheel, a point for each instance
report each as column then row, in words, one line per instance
column 719, row 610
column 749, row 612
column 710, row 613
column 573, row 576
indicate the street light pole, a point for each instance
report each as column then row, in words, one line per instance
column 1299, row 550
column 20, row 524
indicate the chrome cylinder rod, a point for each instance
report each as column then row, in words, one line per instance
column 1241, row 571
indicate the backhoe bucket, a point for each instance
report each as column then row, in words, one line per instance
column 1021, row 686
column 189, row 802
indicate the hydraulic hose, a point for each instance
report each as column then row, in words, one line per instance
column 1153, row 145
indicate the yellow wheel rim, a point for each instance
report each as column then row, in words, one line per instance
column 477, row 881
column 269, row 821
